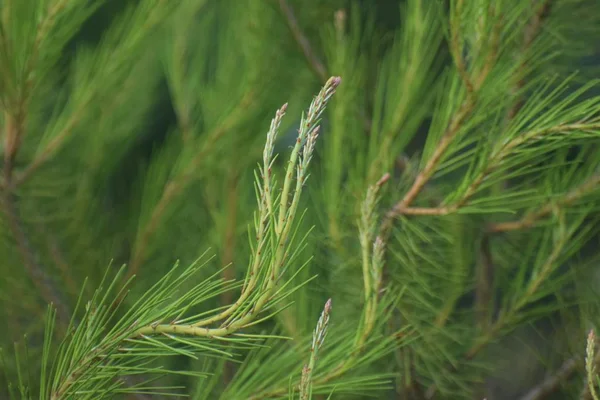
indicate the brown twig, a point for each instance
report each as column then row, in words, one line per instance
column 553, row 382
column 403, row 207
column 493, row 162
column 313, row 60
column 531, row 218
column 423, row 177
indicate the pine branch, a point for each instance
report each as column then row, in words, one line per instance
column 57, row 254
column 473, row 84
column 531, row 289
column 43, row 30
column 113, row 67
column 306, row 139
column 373, row 254
column 282, row 223
column 313, row 60
column 591, row 364
column 503, row 152
column 318, row 338
column 269, row 256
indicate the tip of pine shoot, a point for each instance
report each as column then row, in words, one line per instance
column 384, row 179
column 328, row 306
column 335, row 81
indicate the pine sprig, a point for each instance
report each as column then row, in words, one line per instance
column 318, row 339
column 93, row 355
column 590, row 365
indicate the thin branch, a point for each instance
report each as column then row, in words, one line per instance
column 313, row 60
column 493, row 163
column 402, row 207
column 456, row 49
column 464, row 112
column 553, row 382
column 530, row 219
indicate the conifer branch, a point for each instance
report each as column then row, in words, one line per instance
column 591, row 361
column 318, row 338
column 282, row 224
column 299, row 162
column 484, row 287
column 266, row 273
column 114, row 67
column 531, row 289
column 501, row 154
column 473, row 84
column 485, row 136
column 567, row 370
column 58, row 256
column 373, row 253
column 266, row 211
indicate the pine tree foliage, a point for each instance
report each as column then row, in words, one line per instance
column 185, row 190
